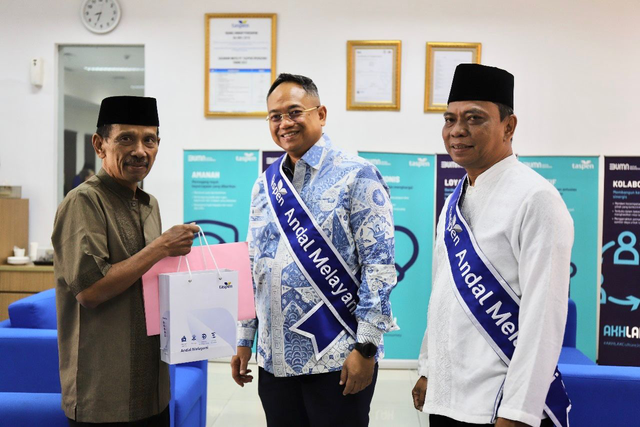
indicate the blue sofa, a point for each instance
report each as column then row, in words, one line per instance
column 30, row 382
column 570, row 354
column 600, row 395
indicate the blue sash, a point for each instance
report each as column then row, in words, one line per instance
column 489, row 301
column 318, row 260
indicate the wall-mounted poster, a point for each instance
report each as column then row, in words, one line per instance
column 619, row 342
column 373, row 74
column 217, row 192
column 240, row 62
column 442, row 60
column 410, row 180
column 576, row 179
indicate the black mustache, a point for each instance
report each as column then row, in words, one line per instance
column 136, row 163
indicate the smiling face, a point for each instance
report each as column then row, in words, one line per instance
column 128, row 152
column 295, row 137
column 475, row 137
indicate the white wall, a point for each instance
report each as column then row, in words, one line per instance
column 575, row 64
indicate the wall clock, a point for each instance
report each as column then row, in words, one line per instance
column 100, row 16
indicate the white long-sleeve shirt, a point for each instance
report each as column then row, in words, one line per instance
column 524, row 228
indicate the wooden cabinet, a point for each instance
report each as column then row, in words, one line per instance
column 14, row 226
column 17, row 282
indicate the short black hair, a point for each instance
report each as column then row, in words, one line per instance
column 105, row 130
column 505, row 110
column 305, row 82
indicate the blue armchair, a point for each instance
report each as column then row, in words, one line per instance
column 30, row 382
column 569, row 353
column 600, row 395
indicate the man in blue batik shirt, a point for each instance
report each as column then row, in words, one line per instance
column 299, row 383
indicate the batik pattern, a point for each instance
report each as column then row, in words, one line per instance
column 350, row 202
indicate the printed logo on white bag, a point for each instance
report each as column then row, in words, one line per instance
column 225, row 285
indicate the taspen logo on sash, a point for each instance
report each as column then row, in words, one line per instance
column 319, row 262
column 453, row 227
column 278, row 191
column 475, row 280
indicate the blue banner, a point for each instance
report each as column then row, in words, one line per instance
column 410, row 178
column 620, row 286
column 448, row 174
column 576, row 178
column 269, row 157
column 217, row 192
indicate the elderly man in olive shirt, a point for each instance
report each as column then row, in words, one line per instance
column 107, row 234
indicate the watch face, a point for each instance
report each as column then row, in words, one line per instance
column 100, row 16
column 367, row 350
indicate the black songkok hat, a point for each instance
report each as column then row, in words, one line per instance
column 128, row 110
column 475, row 82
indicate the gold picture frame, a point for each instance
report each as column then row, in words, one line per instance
column 376, row 84
column 441, row 61
column 234, row 31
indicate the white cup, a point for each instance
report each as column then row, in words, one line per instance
column 18, row 252
column 33, row 250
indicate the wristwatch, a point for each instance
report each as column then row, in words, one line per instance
column 367, row 350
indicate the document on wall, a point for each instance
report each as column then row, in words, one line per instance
column 374, row 75
column 444, row 65
column 240, row 62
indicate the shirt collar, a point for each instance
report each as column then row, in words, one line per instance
column 124, row 192
column 496, row 169
column 316, row 154
column 288, row 167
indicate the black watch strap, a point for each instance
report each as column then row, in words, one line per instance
column 367, row 350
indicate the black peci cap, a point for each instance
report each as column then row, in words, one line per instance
column 128, row 110
column 475, row 82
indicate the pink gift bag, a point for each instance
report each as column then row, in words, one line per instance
column 232, row 256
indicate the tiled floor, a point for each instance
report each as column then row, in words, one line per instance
column 232, row 406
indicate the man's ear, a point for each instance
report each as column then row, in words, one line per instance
column 510, row 127
column 98, row 145
column 322, row 113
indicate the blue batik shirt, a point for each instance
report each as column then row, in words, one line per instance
column 350, row 202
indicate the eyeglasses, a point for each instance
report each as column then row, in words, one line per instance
column 293, row 115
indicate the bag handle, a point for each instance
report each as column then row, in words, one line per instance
column 201, row 237
column 188, row 268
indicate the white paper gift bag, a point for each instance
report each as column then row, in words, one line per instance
column 198, row 314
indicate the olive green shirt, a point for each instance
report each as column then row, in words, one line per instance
column 110, row 370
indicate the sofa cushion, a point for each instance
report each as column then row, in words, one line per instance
column 189, row 386
column 35, row 311
column 602, row 395
column 29, row 360
column 32, row 409
column 574, row 356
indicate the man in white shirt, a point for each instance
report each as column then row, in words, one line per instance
column 522, row 233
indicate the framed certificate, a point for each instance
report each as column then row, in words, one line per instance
column 442, row 60
column 240, row 62
column 373, row 74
